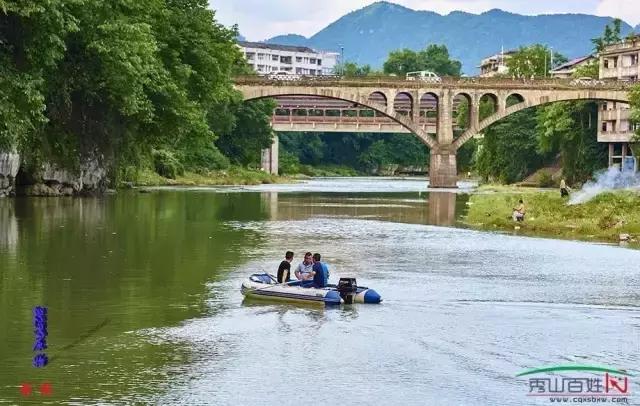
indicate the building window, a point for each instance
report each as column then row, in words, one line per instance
column 299, row 71
column 275, row 57
column 286, row 59
column 312, row 61
column 298, row 59
column 319, row 62
column 261, row 57
column 251, row 56
column 604, row 126
column 606, row 64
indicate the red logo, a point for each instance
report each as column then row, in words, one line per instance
column 615, row 383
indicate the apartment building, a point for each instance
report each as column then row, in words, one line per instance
column 621, row 62
column 495, row 65
column 272, row 58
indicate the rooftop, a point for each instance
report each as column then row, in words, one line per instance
column 275, row 47
column 573, row 63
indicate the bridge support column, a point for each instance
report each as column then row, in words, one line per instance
column 269, row 161
column 445, row 118
column 443, row 168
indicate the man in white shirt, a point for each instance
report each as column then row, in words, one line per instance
column 304, row 270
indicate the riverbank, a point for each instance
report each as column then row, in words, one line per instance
column 232, row 176
column 604, row 218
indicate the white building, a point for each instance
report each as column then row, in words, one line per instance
column 272, row 58
column 619, row 61
column 495, row 64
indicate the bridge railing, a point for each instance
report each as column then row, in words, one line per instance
column 397, row 81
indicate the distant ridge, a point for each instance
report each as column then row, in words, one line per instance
column 369, row 34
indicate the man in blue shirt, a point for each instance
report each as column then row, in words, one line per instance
column 320, row 272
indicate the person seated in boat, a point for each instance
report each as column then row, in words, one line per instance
column 325, row 268
column 284, row 270
column 318, row 274
column 304, row 270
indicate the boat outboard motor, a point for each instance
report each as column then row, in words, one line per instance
column 347, row 287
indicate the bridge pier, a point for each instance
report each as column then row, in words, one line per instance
column 443, row 168
column 270, row 156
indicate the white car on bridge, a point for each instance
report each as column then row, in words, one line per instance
column 284, row 76
column 424, row 76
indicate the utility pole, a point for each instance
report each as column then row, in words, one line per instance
column 342, row 59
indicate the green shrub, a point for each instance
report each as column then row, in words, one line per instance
column 545, row 179
column 205, row 159
column 166, row 164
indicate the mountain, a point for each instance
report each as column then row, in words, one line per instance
column 369, row 34
column 289, row 39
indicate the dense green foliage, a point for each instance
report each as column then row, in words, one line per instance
column 126, row 83
column 534, row 61
column 434, row 58
column 570, row 128
column 364, row 152
column 589, row 70
column 509, row 150
column 350, row 69
column 369, row 34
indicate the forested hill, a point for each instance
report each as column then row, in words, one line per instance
column 369, row 34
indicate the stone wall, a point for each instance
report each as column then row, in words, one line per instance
column 9, row 166
column 50, row 180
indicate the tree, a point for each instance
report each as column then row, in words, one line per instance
column 251, row 134
column 634, row 99
column 434, row 58
column 570, row 127
column 533, row 61
column 589, row 70
column 610, row 36
column 509, row 149
column 350, row 69
column 120, row 80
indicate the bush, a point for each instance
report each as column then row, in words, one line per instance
column 206, row 159
column 289, row 163
column 545, row 179
column 166, row 164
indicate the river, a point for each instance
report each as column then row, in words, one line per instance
column 143, row 295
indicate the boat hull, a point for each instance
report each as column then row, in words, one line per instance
column 287, row 293
column 263, row 286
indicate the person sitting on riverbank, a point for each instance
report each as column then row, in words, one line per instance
column 519, row 212
column 284, row 270
column 304, row 270
column 564, row 189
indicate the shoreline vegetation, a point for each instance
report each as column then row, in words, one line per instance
column 605, row 218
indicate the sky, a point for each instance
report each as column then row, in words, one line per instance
column 263, row 19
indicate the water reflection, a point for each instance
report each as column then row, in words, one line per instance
column 8, row 226
column 435, row 208
column 442, row 208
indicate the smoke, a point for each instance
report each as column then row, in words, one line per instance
column 606, row 180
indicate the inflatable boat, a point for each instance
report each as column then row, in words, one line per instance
column 265, row 286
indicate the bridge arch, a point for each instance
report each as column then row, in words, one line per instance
column 361, row 96
column 540, row 100
column 514, row 98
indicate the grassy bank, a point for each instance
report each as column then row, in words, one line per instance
column 232, row 176
column 603, row 218
column 324, row 171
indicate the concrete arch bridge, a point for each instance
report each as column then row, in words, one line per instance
column 404, row 102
